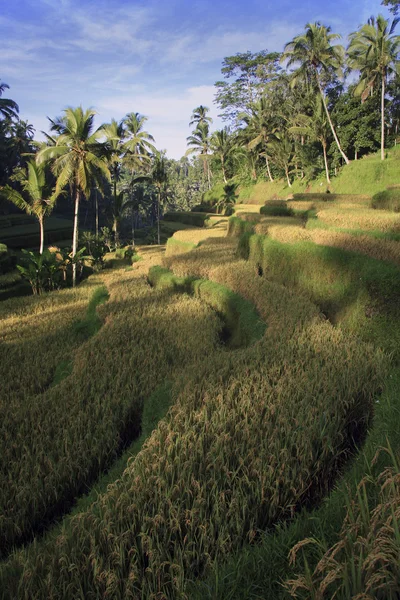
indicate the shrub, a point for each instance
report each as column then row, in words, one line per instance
column 387, row 200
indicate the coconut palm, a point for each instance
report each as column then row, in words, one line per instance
column 374, row 51
column 259, row 128
column 138, row 143
column 222, row 145
column 282, row 154
column 8, row 108
column 317, row 58
column 77, row 160
column 316, row 127
column 159, row 178
column 200, row 144
column 199, row 116
column 38, row 198
column 114, row 134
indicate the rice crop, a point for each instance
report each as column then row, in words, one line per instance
column 365, row 561
column 379, row 249
column 55, row 439
column 366, row 219
column 251, row 436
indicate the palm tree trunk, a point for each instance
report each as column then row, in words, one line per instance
column 268, row 169
column 97, row 215
column 75, row 236
column 287, row 176
column 41, row 225
column 326, row 162
column 223, row 169
column 330, row 122
column 383, row 119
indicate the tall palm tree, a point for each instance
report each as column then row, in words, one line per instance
column 222, row 146
column 374, row 51
column 38, row 197
column 8, row 108
column 259, row 128
column 317, row 58
column 114, row 134
column 282, row 154
column 159, row 178
column 77, row 159
column 199, row 116
column 138, row 144
column 316, row 127
column 200, row 144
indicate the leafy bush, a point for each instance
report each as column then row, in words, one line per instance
column 41, row 270
column 387, row 200
column 96, row 247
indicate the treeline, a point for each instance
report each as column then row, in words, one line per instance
column 305, row 111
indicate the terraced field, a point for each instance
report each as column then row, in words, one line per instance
column 267, row 351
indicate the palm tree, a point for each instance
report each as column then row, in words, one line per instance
column 159, row 178
column 314, row 52
column 228, row 199
column 8, row 108
column 114, row 134
column 77, row 160
column 138, row 145
column 374, row 50
column 222, row 146
column 200, row 142
column 282, row 154
column 199, row 116
column 259, row 128
column 38, row 198
column 316, row 127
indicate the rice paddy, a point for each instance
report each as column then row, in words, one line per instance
column 258, row 433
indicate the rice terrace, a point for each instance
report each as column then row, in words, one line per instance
column 200, row 345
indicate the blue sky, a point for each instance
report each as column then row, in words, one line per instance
column 160, row 58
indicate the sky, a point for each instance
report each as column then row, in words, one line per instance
column 158, row 58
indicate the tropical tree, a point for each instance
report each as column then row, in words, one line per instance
column 316, row 127
column 228, row 199
column 159, row 178
column 282, row 154
column 38, row 198
column 260, row 128
column 114, row 134
column 374, row 51
column 317, row 60
column 222, row 145
column 78, row 160
column 8, row 108
column 200, row 144
column 199, row 116
column 138, row 144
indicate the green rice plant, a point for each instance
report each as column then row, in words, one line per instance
column 188, row 218
column 365, row 219
column 247, row 442
column 59, row 433
column 242, row 323
column 365, row 561
column 237, row 226
column 276, row 208
column 387, row 200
